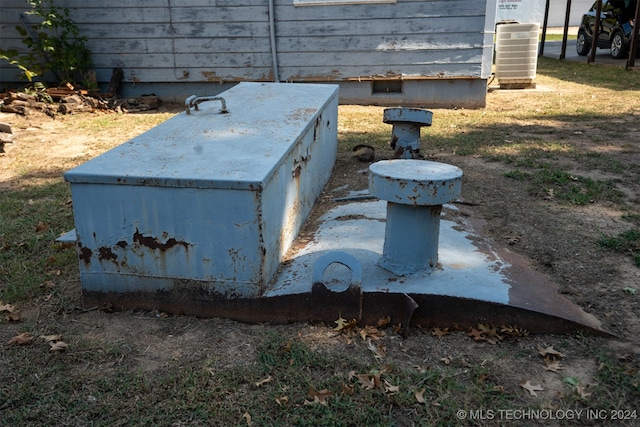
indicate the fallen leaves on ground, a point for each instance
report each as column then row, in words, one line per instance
column 13, row 317
column 383, row 322
column 58, row 346
column 348, row 389
column 319, row 397
column 579, row 388
column 6, row 307
column 475, row 334
column 438, row 332
column 371, row 332
column 264, row 381
column 247, row 418
column 513, row 331
column 419, row 395
column 582, row 391
column 378, row 351
column 493, row 335
column 343, row 324
column 390, row 388
column 367, row 382
column 55, row 343
column 282, row 400
column 24, row 338
column 549, row 351
column 552, row 365
column 531, row 388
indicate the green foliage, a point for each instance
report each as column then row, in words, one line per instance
column 54, row 42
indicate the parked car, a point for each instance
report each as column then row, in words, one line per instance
column 616, row 26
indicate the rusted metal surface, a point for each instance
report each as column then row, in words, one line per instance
column 405, row 134
column 214, row 198
column 405, row 310
column 415, row 191
column 415, row 182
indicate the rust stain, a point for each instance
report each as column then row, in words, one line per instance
column 106, row 254
column 154, row 243
column 85, row 254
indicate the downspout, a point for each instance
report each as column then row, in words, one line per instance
column 272, row 36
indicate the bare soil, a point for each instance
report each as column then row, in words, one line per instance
column 559, row 240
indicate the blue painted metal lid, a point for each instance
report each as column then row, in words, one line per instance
column 239, row 149
column 415, row 182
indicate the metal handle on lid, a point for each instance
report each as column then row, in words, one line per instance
column 194, row 100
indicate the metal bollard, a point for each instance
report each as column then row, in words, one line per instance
column 415, row 191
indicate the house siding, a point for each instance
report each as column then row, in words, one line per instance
column 162, row 43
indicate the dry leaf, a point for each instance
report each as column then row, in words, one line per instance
column 531, row 388
column 376, row 380
column 58, row 346
column 582, row 392
column 366, row 381
column 384, row 322
column 282, row 400
column 247, row 418
column 379, row 351
column 489, row 331
column 24, row 338
column 552, row 365
column 371, row 332
column 437, row 332
column 6, row 307
column 264, row 381
column 41, row 226
column 419, row 394
column 13, row 317
column 549, row 351
column 390, row 388
column 343, row 324
column 319, row 396
column 446, row 360
column 513, row 331
column 476, row 335
column 348, row 389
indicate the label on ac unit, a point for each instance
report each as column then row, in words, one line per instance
column 520, row 35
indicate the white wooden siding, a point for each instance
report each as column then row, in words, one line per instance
column 229, row 40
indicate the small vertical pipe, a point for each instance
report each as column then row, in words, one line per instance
column 272, row 36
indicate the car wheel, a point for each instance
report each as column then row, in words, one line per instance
column 618, row 47
column 582, row 46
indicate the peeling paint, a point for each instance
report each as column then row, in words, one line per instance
column 154, row 243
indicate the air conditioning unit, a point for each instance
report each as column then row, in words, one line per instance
column 516, row 55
